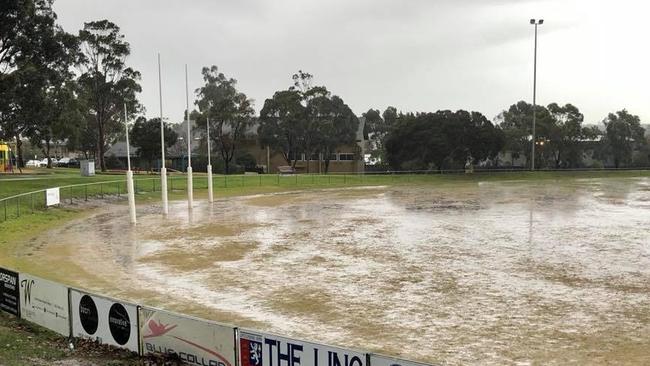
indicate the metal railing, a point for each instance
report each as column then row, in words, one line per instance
column 15, row 206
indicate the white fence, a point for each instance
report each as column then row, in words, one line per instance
column 145, row 330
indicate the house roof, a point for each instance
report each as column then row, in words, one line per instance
column 118, row 150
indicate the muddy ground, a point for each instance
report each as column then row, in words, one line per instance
column 554, row 272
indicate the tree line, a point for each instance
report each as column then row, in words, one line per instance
column 452, row 140
column 56, row 86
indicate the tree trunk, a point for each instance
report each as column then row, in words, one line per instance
column 327, row 164
column 20, row 163
column 100, row 147
column 47, row 154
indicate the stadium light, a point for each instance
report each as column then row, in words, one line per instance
column 532, row 161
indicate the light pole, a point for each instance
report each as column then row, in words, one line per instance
column 532, row 161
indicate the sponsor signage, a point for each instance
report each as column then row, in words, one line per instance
column 9, row 292
column 193, row 341
column 52, row 196
column 262, row 349
column 379, row 360
column 105, row 320
column 45, row 303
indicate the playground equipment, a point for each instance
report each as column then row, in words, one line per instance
column 5, row 158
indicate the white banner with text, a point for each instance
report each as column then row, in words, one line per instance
column 44, row 303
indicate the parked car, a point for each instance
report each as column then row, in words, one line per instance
column 63, row 162
column 34, row 164
column 73, row 163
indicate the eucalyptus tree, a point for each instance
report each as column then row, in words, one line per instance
column 229, row 111
column 106, row 81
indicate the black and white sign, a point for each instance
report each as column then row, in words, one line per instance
column 263, row 349
column 45, row 303
column 9, row 292
column 105, row 320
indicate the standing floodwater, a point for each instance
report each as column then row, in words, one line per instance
column 496, row 272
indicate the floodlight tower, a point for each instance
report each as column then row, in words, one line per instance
column 532, row 161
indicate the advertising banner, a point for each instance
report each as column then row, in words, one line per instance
column 194, row 341
column 379, row 360
column 52, row 196
column 105, row 320
column 45, row 303
column 262, row 349
column 9, row 292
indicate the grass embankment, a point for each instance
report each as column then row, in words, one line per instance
column 22, row 343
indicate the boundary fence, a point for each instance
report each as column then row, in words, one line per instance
column 79, row 314
column 15, row 206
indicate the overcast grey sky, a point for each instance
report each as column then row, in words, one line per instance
column 417, row 55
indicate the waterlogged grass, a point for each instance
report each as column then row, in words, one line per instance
column 75, row 188
column 28, row 343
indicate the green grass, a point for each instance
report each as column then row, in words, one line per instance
column 22, row 343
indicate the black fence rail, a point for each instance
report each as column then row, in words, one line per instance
column 27, row 203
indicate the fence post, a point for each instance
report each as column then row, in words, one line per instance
column 118, row 189
column 153, row 183
column 70, row 195
column 225, row 181
column 31, row 196
column 260, row 180
column 101, row 190
column 242, row 180
column 296, row 175
column 86, row 192
column 278, row 179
